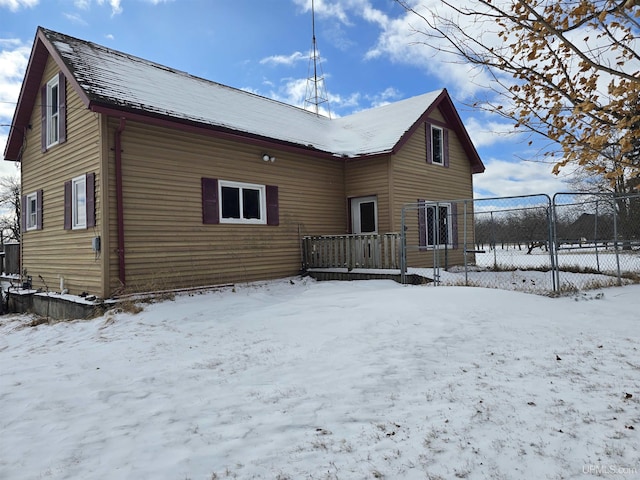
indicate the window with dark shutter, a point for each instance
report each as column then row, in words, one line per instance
column 80, row 202
column 236, row 202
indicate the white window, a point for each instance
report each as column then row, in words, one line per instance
column 32, row 211
column 79, row 202
column 53, row 113
column 242, row 203
column 439, row 225
column 437, row 145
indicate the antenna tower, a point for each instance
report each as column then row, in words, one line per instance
column 315, row 93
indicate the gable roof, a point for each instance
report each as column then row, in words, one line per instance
column 116, row 83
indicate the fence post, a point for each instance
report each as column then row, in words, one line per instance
column 595, row 237
column 615, row 238
column 464, row 241
column 555, row 266
column 403, row 247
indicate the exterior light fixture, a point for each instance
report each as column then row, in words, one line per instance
column 268, row 158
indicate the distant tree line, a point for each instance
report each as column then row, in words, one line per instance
column 529, row 228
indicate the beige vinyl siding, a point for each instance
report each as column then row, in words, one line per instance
column 368, row 177
column 414, row 179
column 52, row 252
column 168, row 246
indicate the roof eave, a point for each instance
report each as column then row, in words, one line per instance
column 192, row 126
column 40, row 51
column 26, row 100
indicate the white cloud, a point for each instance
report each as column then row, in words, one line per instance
column 385, row 97
column 15, row 5
column 116, row 7
column 75, row 18
column 288, row 60
column 400, row 41
column 485, row 133
column 505, row 179
column 14, row 57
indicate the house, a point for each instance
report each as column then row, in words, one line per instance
column 139, row 177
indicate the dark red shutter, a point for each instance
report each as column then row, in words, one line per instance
column 210, row 209
column 273, row 213
column 39, row 210
column 422, row 224
column 427, row 142
column 23, row 213
column 43, row 111
column 91, row 199
column 67, row 205
column 62, row 108
column 454, row 225
column 445, row 146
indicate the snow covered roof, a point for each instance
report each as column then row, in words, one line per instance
column 110, row 79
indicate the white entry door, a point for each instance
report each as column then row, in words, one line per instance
column 364, row 215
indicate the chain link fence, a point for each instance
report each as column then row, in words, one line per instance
column 529, row 243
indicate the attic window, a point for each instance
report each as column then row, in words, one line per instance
column 54, row 106
column 53, row 111
column 437, row 145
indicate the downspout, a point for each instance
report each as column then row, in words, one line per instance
column 119, row 200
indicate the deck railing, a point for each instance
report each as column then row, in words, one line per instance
column 370, row 251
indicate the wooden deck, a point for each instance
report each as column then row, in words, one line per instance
column 370, row 251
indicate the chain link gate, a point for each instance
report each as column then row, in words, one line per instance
column 597, row 237
column 528, row 243
column 484, row 242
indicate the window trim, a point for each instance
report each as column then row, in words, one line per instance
column 75, row 210
column 240, row 186
column 32, row 197
column 449, row 226
column 53, row 128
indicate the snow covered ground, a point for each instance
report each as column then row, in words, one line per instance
column 298, row 379
column 532, row 273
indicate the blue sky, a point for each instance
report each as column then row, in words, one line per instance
column 369, row 56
